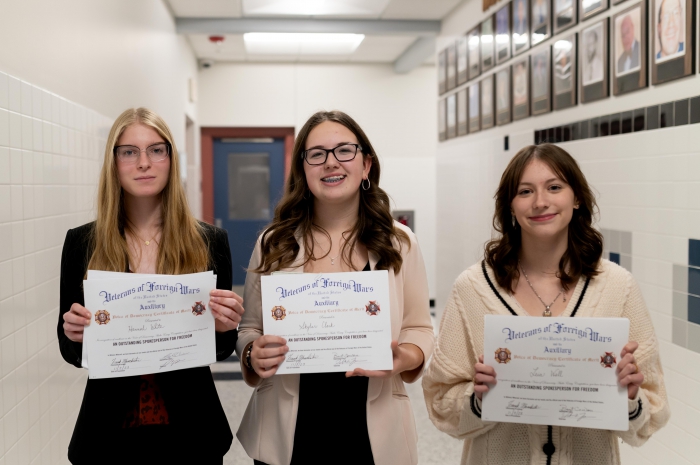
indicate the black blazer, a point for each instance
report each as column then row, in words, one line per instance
column 197, row 424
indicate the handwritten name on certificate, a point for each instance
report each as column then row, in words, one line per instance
column 145, row 324
column 332, row 322
column 556, row 371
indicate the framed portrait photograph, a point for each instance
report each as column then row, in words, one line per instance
column 520, row 71
column 540, row 101
column 474, row 41
column 629, row 49
column 451, row 116
column 673, row 39
column 474, row 107
column 503, row 34
column 451, row 66
column 564, row 72
column 442, row 72
column 442, row 120
column 488, row 117
column 488, row 58
column 462, row 51
column 462, row 117
column 503, row 96
column 540, row 21
column 590, row 8
column 593, row 62
column 565, row 14
column 520, row 35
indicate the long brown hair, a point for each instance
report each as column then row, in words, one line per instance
column 182, row 248
column 295, row 211
column 585, row 243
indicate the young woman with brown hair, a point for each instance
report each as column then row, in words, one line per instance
column 546, row 262
column 143, row 225
column 334, row 217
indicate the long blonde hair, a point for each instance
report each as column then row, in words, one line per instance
column 182, row 247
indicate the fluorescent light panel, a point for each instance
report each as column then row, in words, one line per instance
column 278, row 43
column 314, row 7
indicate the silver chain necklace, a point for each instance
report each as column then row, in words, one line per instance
column 333, row 259
column 547, row 311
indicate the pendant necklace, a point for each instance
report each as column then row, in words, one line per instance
column 145, row 242
column 547, row 311
column 333, row 259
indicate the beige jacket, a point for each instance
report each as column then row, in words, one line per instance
column 448, row 380
column 267, row 429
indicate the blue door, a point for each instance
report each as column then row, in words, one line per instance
column 248, row 182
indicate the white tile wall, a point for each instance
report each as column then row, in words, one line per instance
column 50, row 155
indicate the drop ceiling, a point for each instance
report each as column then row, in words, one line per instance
column 375, row 48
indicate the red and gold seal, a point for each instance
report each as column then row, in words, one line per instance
column 279, row 313
column 198, row 309
column 102, row 317
column 608, row 360
column 502, row 355
column 372, row 308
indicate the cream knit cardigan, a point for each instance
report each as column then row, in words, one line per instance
column 448, row 384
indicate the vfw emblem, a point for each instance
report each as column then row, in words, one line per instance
column 502, row 355
column 279, row 313
column 607, row 360
column 102, row 317
column 198, row 309
column 372, row 308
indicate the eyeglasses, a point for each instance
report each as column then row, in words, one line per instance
column 318, row 156
column 130, row 154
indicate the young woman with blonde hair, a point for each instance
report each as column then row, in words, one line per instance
column 545, row 262
column 334, row 217
column 144, row 225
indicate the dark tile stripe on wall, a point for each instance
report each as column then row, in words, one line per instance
column 669, row 114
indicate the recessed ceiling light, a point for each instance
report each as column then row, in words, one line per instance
column 314, row 7
column 279, row 43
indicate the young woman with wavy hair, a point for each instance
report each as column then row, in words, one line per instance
column 545, row 262
column 334, row 217
column 144, row 225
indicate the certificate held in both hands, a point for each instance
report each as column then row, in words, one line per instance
column 143, row 324
column 332, row 322
column 556, row 371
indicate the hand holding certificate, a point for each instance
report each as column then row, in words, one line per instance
column 556, row 371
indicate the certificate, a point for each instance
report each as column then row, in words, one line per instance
column 332, row 322
column 556, row 371
column 145, row 324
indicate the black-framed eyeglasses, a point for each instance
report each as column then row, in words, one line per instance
column 130, row 153
column 343, row 152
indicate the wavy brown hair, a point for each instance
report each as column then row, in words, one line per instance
column 182, row 247
column 295, row 211
column 585, row 243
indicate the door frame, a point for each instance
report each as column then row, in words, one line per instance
column 207, row 142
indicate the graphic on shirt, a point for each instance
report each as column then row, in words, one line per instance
column 372, row 308
column 607, row 360
column 278, row 313
column 198, row 309
column 102, row 317
column 502, row 355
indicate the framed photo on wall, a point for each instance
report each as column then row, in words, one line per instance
column 590, row 8
column 629, row 54
column 540, row 20
column 462, row 117
column 565, row 14
column 539, row 76
column 593, row 62
column 442, row 72
column 462, row 51
column 488, row 118
column 452, row 116
column 473, row 41
column 451, row 66
column 673, row 39
column 474, row 113
column 564, row 72
column 503, row 96
column 503, row 34
column 520, row 26
column 488, row 59
column 520, row 71
column 442, row 120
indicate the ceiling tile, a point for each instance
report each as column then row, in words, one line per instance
column 206, row 8
column 419, row 9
